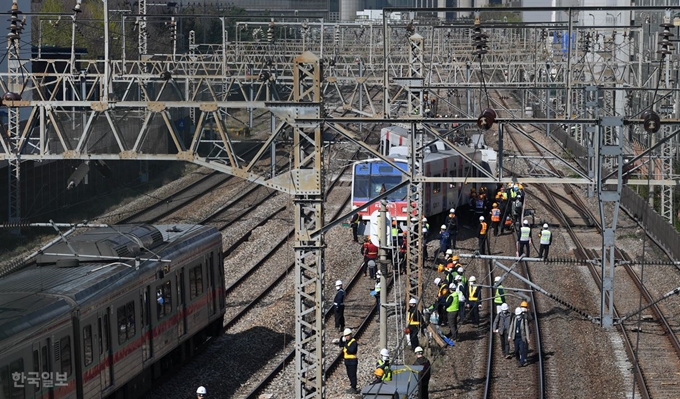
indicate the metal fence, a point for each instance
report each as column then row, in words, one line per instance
column 663, row 233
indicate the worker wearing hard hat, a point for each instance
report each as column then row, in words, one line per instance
column 442, row 292
column 519, row 333
column 383, row 363
column 498, row 294
column 481, row 237
column 201, row 392
column 424, row 375
column 350, row 348
column 414, row 322
column 524, row 239
column 495, row 218
column 473, row 300
column 546, row 239
column 501, row 326
column 452, row 305
column 452, row 226
column 339, row 306
column 443, row 238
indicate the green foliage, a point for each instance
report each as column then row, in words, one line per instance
column 496, row 13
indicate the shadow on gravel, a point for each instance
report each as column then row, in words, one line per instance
column 556, row 311
column 242, row 355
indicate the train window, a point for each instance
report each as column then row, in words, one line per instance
column 5, row 381
column 43, row 354
column 195, row 282
column 436, row 187
column 65, row 345
column 87, row 345
column 126, row 322
column 361, row 184
column 11, row 384
column 36, row 361
column 163, row 300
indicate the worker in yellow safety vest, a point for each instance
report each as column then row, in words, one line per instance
column 473, row 300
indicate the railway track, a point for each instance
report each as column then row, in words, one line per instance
column 661, row 348
column 530, row 382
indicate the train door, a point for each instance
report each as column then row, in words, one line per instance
column 212, row 298
column 42, row 365
column 181, row 311
column 147, row 334
column 105, row 350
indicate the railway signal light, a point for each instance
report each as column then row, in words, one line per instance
column 486, row 119
column 479, row 39
column 651, row 121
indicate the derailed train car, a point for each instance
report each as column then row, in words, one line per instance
column 96, row 325
column 372, row 177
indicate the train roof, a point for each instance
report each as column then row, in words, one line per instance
column 46, row 290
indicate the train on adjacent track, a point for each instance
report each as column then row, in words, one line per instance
column 106, row 312
column 372, row 177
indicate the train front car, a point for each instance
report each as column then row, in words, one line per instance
column 371, row 178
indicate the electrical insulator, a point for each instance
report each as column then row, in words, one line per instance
column 337, row 34
column 486, row 119
column 14, row 24
column 651, row 121
column 665, row 44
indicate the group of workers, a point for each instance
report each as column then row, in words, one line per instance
column 383, row 368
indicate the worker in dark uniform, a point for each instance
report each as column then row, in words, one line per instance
column 354, row 222
column 415, row 322
column 350, row 349
column 481, row 237
column 452, row 224
column 424, row 375
column 339, row 306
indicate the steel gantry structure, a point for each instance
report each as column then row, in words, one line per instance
column 306, row 76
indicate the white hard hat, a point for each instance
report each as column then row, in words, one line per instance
column 458, row 277
column 449, row 251
column 460, row 269
column 338, row 283
column 452, row 286
column 371, row 263
column 497, row 279
column 443, row 227
column 437, row 280
column 424, row 229
column 378, row 272
column 481, row 218
column 201, row 391
column 518, row 311
column 384, row 352
column 525, row 222
column 504, row 306
column 418, row 349
column 348, row 331
column 413, row 301
column 452, row 210
column 545, row 225
column 424, row 219
column 472, row 279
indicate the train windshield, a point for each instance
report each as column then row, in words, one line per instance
column 371, row 180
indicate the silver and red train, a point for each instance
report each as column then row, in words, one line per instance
column 372, row 177
column 97, row 325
